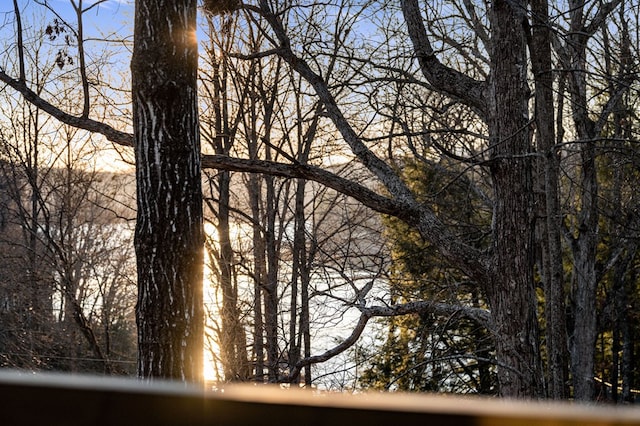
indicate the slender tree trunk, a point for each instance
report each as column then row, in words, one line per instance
column 83, row 324
column 270, row 292
column 40, row 297
column 169, row 235
column 298, row 260
column 260, row 265
column 259, row 277
column 629, row 333
column 300, row 274
column 623, row 285
column 305, row 327
column 232, row 344
column 585, row 281
column 233, row 340
column 583, row 246
column 556, row 334
column 272, row 243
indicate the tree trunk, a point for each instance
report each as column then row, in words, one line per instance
column 233, row 342
column 511, row 295
column 259, row 277
column 297, row 262
column 259, row 249
column 629, row 337
column 585, row 281
column 556, row 334
column 300, row 279
column 305, row 327
column 270, row 290
column 169, row 235
column 584, row 260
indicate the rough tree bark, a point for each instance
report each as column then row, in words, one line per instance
column 512, row 294
column 550, row 223
column 169, row 234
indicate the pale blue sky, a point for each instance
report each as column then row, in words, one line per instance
column 103, row 18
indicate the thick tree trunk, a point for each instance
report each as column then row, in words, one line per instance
column 512, row 295
column 169, row 234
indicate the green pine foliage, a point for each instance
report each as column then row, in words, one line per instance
column 431, row 352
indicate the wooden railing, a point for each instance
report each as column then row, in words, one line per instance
column 46, row 399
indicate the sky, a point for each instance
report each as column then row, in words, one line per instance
column 101, row 10
column 103, row 19
column 103, row 15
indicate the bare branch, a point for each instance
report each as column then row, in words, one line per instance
column 378, row 167
column 478, row 315
column 82, row 59
column 481, row 316
column 20, row 40
column 446, row 80
column 85, row 123
column 361, row 193
column 601, row 15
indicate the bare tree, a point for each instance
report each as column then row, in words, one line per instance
column 65, row 213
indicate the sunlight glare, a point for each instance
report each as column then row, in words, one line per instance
column 211, row 349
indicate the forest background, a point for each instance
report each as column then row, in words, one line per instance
column 435, row 196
